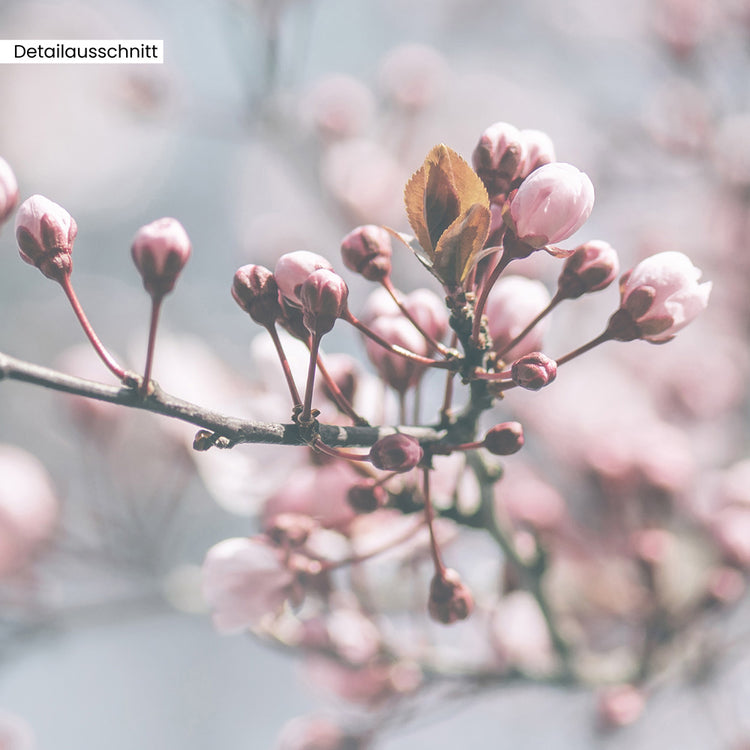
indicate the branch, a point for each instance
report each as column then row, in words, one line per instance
column 233, row 429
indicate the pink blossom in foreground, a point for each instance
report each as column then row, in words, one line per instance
column 512, row 304
column 551, row 204
column 662, row 295
column 160, row 251
column 45, row 233
column 244, row 580
column 8, row 190
column 29, row 508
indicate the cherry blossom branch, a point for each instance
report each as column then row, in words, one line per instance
column 225, row 431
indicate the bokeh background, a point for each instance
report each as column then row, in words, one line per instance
column 275, row 126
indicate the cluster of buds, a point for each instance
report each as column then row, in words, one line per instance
column 469, row 226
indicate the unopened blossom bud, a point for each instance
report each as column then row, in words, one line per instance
column 160, row 251
column 538, row 150
column 450, row 598
column 8, row 190
column 551, row 204
column 533, row 371
column 396, row 453
column 400, row 373
column 254, row 290
column 593, row 266
column 659, row 297
column 323, row 296
column 366, row 497
column 504, row 439
column 45, row 233
column 498, row 157
column 367, row 250
column 292, row 269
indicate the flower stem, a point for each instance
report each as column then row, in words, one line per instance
column 306, row 415
column 328, row 450
column 104, row 355
column 429, row 515
column 341, row 400
column 434, row 343
column 487, row 285
column 155, row 309
column 396, row 349
column 606, row 336
column 547, row 310
column 284, row 364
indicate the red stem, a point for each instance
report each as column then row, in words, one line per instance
column 155, row 309
column 606, row 336
column 489, row 282
column 341, row 400
column 434, row 343
column 329, row 450
column 307, row 408
column 104, row 355
column 430, row 518
column 553, row 303
column 284, row 364
column 443, row 364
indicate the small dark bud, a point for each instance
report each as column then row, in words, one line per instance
column 366, row 497
column 533, row 371
column 593, row 266
column 291, row 529
column 504, row 439
column 450, row 598
column 254, row 289
column 367, row 251
column 396, row 453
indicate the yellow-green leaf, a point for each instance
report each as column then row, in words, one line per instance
column 449, row 211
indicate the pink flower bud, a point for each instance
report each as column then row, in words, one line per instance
column 254, row 290
column 323, row 295
column 160, row 251
column 8, row 190
column 450, row 598
column 45, row 233
column 366, row 497
column 504, row 439
column 292, row 269
column 538, row 149
column 551, row 204
column 396, row 453
column 513, row 303
column 244, row 579
column 498, row 157
column 659, row 297
column 533, row 371
column 367, row 250
column 593, row 266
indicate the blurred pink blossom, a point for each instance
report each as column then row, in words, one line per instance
column 29, row 508
column 244, row 581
